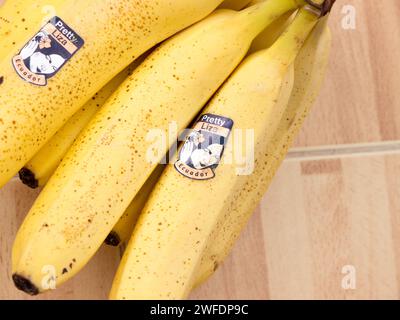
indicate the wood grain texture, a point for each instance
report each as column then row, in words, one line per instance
column 360, row 100
column 317, row 218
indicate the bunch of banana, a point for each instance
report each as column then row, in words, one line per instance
column 71, row 58
column 109, row 163
column 310, row 69
column 123, row 229
column 41, row 167
column 192, row 200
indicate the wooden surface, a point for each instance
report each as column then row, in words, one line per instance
column 360, row 100
column 317, row 218
column 322, row 220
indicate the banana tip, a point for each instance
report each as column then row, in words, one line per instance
column 28, row 178
column 112, row 239
column 25, row 285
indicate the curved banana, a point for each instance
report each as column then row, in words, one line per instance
column 122, row 231
column 71, row 58
column 310, row 70
column 110, row 162
column 40, row 168
column 190, row 199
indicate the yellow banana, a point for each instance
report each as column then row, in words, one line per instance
column 40, row 168
column 173, row 230
column 310, row 69
column 72, row 57
column 108, row 164
column 18, row 18
column 122, row 231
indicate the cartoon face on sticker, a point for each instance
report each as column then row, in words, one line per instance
column 47, row 52
column 204, row 147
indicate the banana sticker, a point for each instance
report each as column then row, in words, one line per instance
column 204, row 146
column 47, row 52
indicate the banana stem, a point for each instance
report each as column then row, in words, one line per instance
column 287, row 47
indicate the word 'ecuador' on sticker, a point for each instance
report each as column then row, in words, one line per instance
column 47, row 52
column 204, row 146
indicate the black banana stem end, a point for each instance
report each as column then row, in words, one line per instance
column 25, row 285
column 28, row 178
column 112, row 239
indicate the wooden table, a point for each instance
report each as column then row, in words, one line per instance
column 329, row 227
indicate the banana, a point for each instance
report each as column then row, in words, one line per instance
column 40, row 168
column 173, row 230
column 109, row 162
column 122, row 231
column 310, row 70
column 72, row 57
column 268, row 36
column 18, row 18
column 234, row 4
